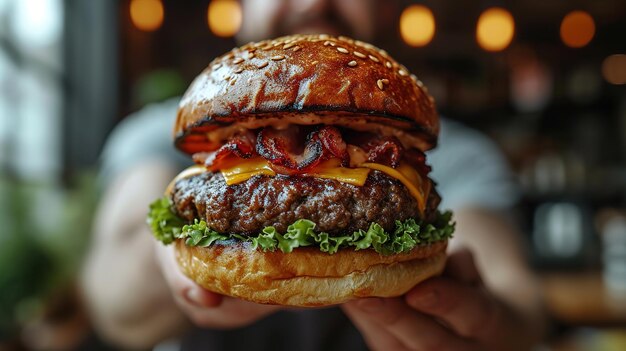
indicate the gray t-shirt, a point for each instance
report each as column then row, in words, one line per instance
column 467, row 166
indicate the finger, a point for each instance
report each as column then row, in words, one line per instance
column 232, row 313
column 376, row 337
column 185, row 290
column 413, row 330
column 203, row 307
column 200, row 297
column 461, row 265
column 236, row 312
column 468, row 310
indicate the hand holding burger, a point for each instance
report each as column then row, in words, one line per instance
column 450, row 312
column 311, row 186
column 203, row 307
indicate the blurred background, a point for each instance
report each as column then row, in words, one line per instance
column 545, row 79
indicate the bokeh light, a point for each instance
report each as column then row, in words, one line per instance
column 417, row 25
column 577, row 29
column 146, row 15
column 495, row 29
column 224, row 17
column 614, row 69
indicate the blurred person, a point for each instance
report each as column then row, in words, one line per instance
column 487, row 299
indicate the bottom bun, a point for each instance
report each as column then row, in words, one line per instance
column 307, row 277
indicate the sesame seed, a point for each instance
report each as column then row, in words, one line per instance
column 373, row 58
column 352, row 63
column 342, row 50
column 323, row 36
column 277, row 57
column 359, row 55
column 385, row 81
column 289, row 45
column 227, row 77
column 402, row 72
column 388, row 64
column 380, row 84
column 413, row 77
column 314, row 63
column 326, row 43
column 238, row 60
column 250, row 55
column 262, row 64
column 296, row 48
column 238, row 70
column 217, row 66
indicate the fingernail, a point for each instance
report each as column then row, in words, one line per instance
column 370, row 304
column 424, row 300
column 193, row 297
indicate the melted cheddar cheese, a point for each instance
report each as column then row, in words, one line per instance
column 247, row 169
column 332, row 169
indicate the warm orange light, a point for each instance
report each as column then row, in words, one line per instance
column 417, row 25
column 224, row 17
column 577, row 29
column 146, row 15
column 495, row 29
column 614, row 69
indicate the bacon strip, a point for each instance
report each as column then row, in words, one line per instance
column 417, row 159
column 333, row 143
column 241, row 145
column 280, row 148
column 386, row 150
column 288, row 150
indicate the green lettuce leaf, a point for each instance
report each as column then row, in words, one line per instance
column 165, row 225
column 407, row 234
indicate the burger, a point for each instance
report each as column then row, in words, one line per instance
column 310, row 185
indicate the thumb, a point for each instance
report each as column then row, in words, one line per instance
column 461, row 266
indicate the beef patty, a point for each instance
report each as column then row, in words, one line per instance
column 337, row 208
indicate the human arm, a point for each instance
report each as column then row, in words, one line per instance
column 134, row 290
column 121, row 280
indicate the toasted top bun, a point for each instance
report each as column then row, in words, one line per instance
column 305, row 79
